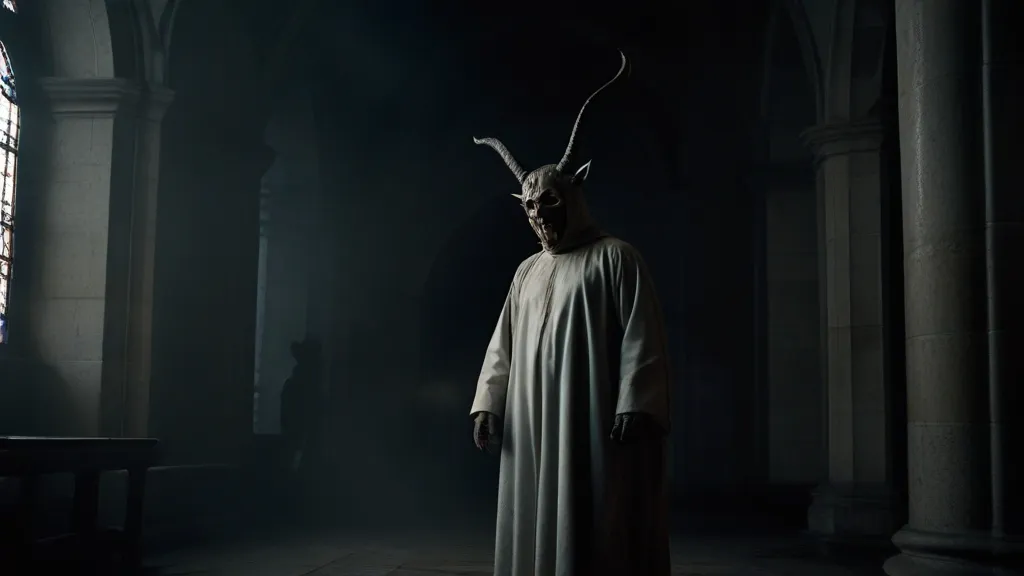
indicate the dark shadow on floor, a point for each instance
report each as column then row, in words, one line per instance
column 407, row 552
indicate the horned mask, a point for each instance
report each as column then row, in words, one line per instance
column 552, row 197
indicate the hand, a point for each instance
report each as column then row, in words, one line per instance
column 486, row 426
column 634, row 426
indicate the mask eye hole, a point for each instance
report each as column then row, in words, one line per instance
column 547, row 198
column 530, row 205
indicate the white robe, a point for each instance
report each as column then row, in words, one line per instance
column 579, row 340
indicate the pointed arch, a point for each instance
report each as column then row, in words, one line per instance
column 855, row 57
column 10, row 128
column 809, row 50
column 790, row 97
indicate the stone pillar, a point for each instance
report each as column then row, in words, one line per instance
column 1003, row 77
column 94, row 296
column 76, row 286
column 136, row 402
column 856, row 504
column 949, row 529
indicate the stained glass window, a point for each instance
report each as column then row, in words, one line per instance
column 10, row 125
column 10, row 5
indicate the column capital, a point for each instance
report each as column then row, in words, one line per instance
column 88, row 96
column 837, row 139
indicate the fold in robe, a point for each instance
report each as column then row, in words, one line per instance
column 579, row 339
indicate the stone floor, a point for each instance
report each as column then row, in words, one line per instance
column 457, row 555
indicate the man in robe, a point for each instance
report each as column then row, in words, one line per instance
column 575, row 391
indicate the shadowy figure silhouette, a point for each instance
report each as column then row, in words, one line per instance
column 299, row 406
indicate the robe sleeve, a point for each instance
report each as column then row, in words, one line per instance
column 492, row 386
column 644, row 384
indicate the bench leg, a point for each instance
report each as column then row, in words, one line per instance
column 131, row 552
column 84, row 515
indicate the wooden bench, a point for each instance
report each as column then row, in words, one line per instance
column 28, row 457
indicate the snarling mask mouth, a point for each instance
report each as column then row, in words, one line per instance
column 548, row 217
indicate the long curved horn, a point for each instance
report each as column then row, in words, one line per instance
column 572, row 137
column 505, row 155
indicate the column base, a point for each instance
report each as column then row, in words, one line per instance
column 853, row 518
column 932, row 554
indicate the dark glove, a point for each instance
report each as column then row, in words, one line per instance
column 486, row 429
column 634, row 427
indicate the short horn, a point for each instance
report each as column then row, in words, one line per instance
column 505, row 155
column 572, row 137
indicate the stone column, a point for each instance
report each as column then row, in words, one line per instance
column 856, row 504
column 136, row 401
column 938, row 45
column 1003, row 77
column 96, row 249
column 75, row 285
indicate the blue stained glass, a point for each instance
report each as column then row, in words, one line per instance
column 7, row 84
